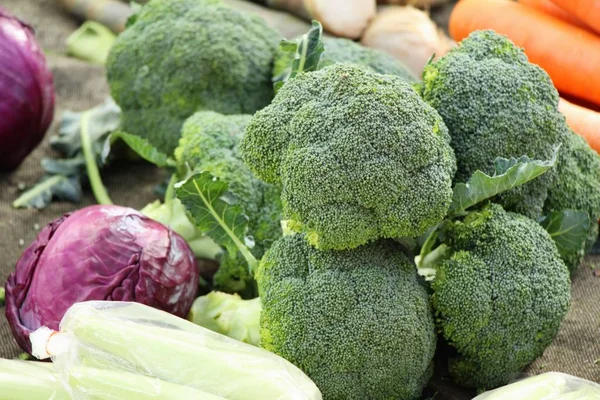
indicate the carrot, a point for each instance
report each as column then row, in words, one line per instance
column 583, row 121
column 587, row 11
column 570, row 55
column 548, row 7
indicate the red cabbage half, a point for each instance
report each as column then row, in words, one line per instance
column 99, row 253
column 26, row 92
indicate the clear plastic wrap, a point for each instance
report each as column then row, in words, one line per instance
column 123, row 350
column 30, row 380
column 547, row 386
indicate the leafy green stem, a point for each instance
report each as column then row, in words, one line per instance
column 91, row 165
column 37, row 190
column 170, row 193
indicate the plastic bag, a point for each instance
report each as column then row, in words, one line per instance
column 547, row 386
column 123, row 350
column 30, row 380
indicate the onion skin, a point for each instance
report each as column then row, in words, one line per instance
column 28, row 99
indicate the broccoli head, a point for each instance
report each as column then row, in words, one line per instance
column 499, row 295
column 209, row 142
column 342, row 50
column 577, row 187
column 180, row 56
column 495, row 103
column 357, row 322
column 358, row 154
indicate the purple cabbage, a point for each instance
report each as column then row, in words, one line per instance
column 27, row 92
column 99, row 253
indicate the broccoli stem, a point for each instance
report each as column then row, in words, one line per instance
column 429, row 258
column 93, row 172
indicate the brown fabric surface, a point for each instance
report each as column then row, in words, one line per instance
column 80, row 86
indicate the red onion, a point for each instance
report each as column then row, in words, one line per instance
column 26, row 92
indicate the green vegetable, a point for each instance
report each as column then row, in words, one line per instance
column 179, row 56
column 229, row 315
column 358, row 154
column 209, row 144
column 91, row 42
column 496, row 103
column 106, row 384
column 547, row 386
column 358, row 322
column 500, row 293
column 577, row 187
column 30, row 380
column 2, row 296
column 133, row 337
column 342, row 50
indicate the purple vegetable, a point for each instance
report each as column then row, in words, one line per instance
column 27, row 92
column 99, row 253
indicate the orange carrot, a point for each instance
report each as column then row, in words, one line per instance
column 587, row 11
column 570, row 55
column 548, row 7
column 583, row 121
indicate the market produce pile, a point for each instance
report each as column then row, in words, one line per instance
column 367, row 223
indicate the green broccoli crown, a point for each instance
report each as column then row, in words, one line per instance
column 495, row 103
column 500, row 297
column 359, row 155
column 357, row 322
column 342, row 50
column 181, row 56
column 210, row 142
column 577, row 187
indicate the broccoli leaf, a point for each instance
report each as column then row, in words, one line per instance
column 509, row 173
column 568, row 228
column 217, row 213
column 144, row 149
column 307, row 54
column 47, row 188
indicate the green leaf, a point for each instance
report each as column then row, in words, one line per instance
column 217, row 213
column 104, row 119
column 306, row 52
column 144, row 149
column 568, row 228
column 91, row 42
column 50, row 187
column 509, row 173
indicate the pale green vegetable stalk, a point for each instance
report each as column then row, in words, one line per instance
column 154, row 343
column 102, row 384
column 30, row 380
column 228, row 314
column 547, row 386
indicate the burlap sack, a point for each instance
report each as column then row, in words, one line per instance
column 80, row 86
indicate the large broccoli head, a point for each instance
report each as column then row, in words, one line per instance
column 496, row 104
column 500, row 296
column 181, row 56
column 357, row 322
column 209, row 142
column 342, row 50
column 358, row 154
column 577, row 187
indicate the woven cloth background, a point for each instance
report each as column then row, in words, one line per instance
column 80, row 85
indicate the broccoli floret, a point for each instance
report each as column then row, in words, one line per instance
column 499, row 296
column 496, row 104
column 181, row 56
column 577, row 187
column 210, row 142
column 357, row 322
column 342, row 50
column 358, row 154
